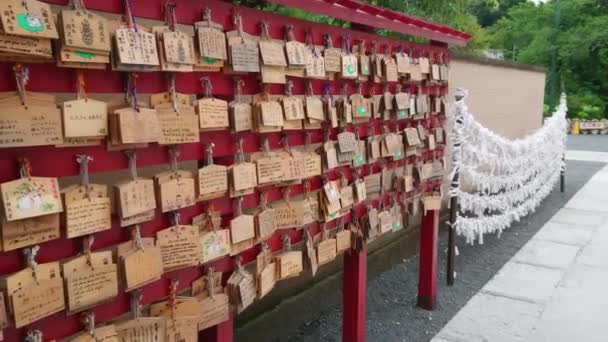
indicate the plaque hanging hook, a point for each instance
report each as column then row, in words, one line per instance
column 25, row 168
column 30, row 260
column 83, row 160
column 87, row 245
column 286, row 242
column 132, row 156
column 137, row 239
column 88, row 318
column 136, row 306
column 207, row 87
column 209, row 154
column 22, row 76
column 33, row 336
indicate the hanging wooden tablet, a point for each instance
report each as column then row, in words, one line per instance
column 241, row 288
column 178, row 124
column 29, row 196
column 311, row 253
column 347, row 142
column 141, row 264
column 376, row 63
column 314, row 105
column 403, row 61
column 411, row 136
column 288, row 213
column 135, row 196
column 293, row 108
column 343, row 238
column 136, row 47
column 390, row 69
column 211, row 38
column 326, row 249
column 415, row 71
column 350, row 68
column 425, row 64
column 272, row 52
column 138, row 328
column 243, row 175
column 27, row 232
column 290, row 263
column 214, row 303
column 82, row 29
column 240, row 111
column 265, row 219
column 178, row 47
column 295, row 51
column 331, row 155
column 182, row 315
column 106, row 333
column 90, row 279
column 175, row 189
column 360, row 105
column 35, row 292
column 242, row 226
column 310, row 206
column 372, row 184
column 332, row 56
column 444, row 69
column 87, row 206
column 267, row 279
column 270, row 114
column 213, row 113
column 364, row 60
column 84, row 117
column 244, row 51
column 136, row 125
column 212, row 178
column 29, row 18
column 179, row 247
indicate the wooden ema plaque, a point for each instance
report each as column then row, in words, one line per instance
column 84, row 216
column 290, row 264
column 175, row 190
column 214, row 310
column 28, row 18
column 33, row 297
column 142, row 267
column 179, row 247
column 136, row 47
column 177, row 127
column 211, row 41
column 31, row 125
column 135, row 197
column 143, row 329
column 214, row 244
column 90, row 280
column 136, row 127
column 212, row 181
column 182, row 318
column 30, row 197
column 213, row 114
column 28, row 232
column 85, row 118
column 106, row 334
column 85, row 30
column 20, row 47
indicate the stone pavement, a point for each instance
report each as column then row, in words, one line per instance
column 553, row 289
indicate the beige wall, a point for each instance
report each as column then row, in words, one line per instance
column 505, row 99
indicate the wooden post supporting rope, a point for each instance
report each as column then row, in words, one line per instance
column 459, row 96
column 562, row 176
column 427, row 267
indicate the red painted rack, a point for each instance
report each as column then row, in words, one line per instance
column 60, row 162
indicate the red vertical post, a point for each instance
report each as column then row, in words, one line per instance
column 427, row 268
column 353, row 295
column 223, row 332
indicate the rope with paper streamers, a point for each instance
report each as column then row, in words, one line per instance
column 501, row 180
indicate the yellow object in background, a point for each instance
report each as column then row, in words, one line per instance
column 576, row 127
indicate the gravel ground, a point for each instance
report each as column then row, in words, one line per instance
column 391, row 297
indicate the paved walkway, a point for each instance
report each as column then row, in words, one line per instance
column 554, row 288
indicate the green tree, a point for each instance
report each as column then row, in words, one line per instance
column 581, row 42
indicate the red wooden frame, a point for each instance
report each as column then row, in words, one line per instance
column 60, row 162
column 356, row 11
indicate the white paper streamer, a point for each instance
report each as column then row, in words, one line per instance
column 502, row 180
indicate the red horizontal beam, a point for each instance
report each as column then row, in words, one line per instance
column 356, row 12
